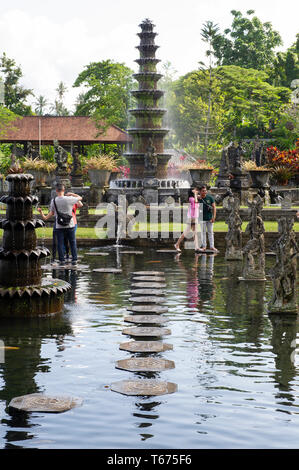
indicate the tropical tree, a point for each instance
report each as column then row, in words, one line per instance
column 239, row 103
column 192, row 108
column 7, row 118
column 208, row 33
column 15, row 95
column 251, row 104
column 249, row 43
column 106, row 97
column 40, row 105
column 285, row 67
column 58, row 107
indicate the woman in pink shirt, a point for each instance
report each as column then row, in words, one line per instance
column 192, row 221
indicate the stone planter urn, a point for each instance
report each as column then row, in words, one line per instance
column 99, row 178
column 201, row 176
column 39, row 177
column 260, row 178
column 115, row 175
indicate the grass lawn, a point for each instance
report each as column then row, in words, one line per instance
column 46, row 232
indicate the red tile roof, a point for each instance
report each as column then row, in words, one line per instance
column 62, row 128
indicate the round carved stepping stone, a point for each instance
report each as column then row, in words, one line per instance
column 152, row 308
column 131, row 252
column 145, row 387
column 149, row 278
column 145, row 346
column 65, row 266
column 40, row 402
column 96, row 254
column 148, row 273
column 146, row 319
column 146, row 331
column 107, row 270
column 147, row 299
column 148, row 284
column 270, row 253
column 145, row 364
column 167, row 251
column 147, row 292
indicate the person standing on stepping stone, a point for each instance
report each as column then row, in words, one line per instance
column 74, row 210
column 192, row 220
column 62, row 204
column 208, row 217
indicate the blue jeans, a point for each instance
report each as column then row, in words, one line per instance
column 70, row 235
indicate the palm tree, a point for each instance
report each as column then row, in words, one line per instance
column 208, row 33
column 40, row 105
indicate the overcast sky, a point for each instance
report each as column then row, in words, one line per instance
column 52, row 40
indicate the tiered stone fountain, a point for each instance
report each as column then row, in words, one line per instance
column 23, row 292
column 147, row 159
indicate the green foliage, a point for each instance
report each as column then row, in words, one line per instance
column 189, row 109
column 7, row 117
column 15, row 95
column 107, row 96
column 242, row 105
column 249, row 43
column 251, row 104
column 285, row 66
column 286, row 129
column 5, row 160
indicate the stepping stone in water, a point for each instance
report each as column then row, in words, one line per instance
column 146, row 331
column 148, row 273
column 149, row 278
column 167, row 251
column 146, row 319
column 65, row 266
column 145, row 346
column 144, row 364
column 152, row 308
column 131, row 252
column 40, row 402
column 145, row 387
column 147, row 299
column 147, row 292
column 270, row 253
column 107, row 270
column 97, row 254
column 148, row 284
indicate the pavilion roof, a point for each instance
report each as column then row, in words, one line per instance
column 65, row 129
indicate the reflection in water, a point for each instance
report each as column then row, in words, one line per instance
column 21, row 366
column 199, row 279
column 146, row 407
column 234, row 364
column 284, row 347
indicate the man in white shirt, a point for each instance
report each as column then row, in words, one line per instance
column 63, row 204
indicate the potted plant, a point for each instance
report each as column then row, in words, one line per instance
column 200, row 171
column 281, row 174
column 259, row 174
column 42, row 170
column 99, row 169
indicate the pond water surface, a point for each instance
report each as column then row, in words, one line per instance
column 235, row 367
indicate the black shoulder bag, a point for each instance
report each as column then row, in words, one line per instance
column 62, row 218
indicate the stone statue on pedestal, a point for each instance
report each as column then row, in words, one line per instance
column 234, row 234
column 284, row 272
column 150, row 160
column 254, row 251
column 76, row 174
column 60, row 156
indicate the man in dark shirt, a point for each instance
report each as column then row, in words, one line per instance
column 208, row 217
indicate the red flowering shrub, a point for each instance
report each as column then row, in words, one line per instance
column 288, row 158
